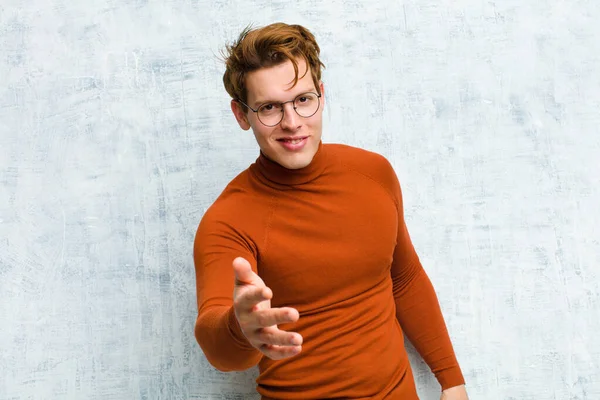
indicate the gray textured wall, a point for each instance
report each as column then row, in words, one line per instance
column 116, row 135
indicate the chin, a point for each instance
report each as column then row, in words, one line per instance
column 293, row 161
column 296, row 161
column 297, row 164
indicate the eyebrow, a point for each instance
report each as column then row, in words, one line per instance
column 266, row 101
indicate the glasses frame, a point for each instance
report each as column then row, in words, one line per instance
column 282, row 108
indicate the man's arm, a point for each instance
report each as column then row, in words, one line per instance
column 217, row 330
column 417, row 307
column 236, row 324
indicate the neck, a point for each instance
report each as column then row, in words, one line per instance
column 276, row 173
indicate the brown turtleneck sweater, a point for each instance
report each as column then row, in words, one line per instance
column 329, row 240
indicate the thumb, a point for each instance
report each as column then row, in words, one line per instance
column 243, row 272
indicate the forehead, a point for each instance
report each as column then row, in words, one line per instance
column 275, row 83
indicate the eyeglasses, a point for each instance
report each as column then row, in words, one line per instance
column 271, row 114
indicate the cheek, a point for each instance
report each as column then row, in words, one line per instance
column 316, row 120
column 263, row 133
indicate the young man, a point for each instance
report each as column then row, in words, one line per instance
column 304, row 265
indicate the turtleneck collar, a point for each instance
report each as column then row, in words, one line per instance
column 274, row 172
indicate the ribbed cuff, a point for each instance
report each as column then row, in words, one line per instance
column 450, row 377
column 236, row 331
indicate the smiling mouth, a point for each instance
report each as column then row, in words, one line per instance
column 292, row 141
column 294, row 144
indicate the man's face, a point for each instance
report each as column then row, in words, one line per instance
column 273, row 85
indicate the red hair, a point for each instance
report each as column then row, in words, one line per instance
column 266, row 47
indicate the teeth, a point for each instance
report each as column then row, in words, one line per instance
column 293, row 141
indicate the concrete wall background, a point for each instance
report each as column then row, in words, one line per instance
column 116, row 135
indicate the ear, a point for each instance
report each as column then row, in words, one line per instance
column 322, row 88
column 240, row 115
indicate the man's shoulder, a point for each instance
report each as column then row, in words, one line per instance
column 240, row 204
column 366, row 162
column 233, row 197
column 227, row 221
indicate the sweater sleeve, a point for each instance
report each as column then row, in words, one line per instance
column 417, row 306
column 216, row 330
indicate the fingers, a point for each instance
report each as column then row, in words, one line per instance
column 275, row 352
column 251, row 317
column 260, row 328
column 259, row 321
column 243, row 272
column 275, row 316
column 247, row 299
column 276, row 337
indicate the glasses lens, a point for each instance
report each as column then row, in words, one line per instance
column 306, row 104
column 270, row 114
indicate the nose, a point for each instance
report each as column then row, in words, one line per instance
column 290, row 119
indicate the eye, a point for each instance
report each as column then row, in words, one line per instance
column 270, row 108
column 305, row 98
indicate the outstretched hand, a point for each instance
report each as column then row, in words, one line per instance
column 258, row 321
